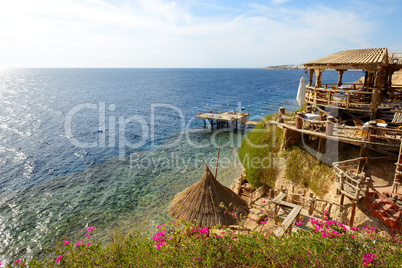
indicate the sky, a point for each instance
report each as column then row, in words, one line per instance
column 190, row 33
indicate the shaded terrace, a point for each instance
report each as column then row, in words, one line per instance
column 375, row 91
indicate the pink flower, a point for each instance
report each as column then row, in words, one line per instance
column 88, row 244
column 368, row 258
column 17, row 261
column 308, row 253
column 87, row 236
column 159, row 245
column 91, row 229
column 66, row 242
column 78, row 244
column 58, row 258
column 204, row 230
column 263, row 201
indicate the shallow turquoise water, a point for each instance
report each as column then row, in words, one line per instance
column 129, row 194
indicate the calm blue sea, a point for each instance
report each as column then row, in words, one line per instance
column 111, row 147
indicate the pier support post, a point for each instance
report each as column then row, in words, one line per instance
column 281, row 112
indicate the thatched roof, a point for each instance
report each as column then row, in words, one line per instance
column 352, row 59
column 201, row 202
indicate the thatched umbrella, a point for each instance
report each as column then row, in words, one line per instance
column 201, row 202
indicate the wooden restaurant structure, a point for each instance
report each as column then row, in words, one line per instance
column 366, row 113
column 370, row 97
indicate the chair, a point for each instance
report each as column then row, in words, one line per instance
column 361, row 131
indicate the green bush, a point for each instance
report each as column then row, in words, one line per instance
column 258, row 153
column 327, row 244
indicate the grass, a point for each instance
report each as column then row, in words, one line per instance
column 303, row 169
column 327, row 244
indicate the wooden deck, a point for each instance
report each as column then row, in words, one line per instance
column 227, row 119
column 359, row 136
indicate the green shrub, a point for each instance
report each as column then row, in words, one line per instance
column 258, row 153
column 327, row 244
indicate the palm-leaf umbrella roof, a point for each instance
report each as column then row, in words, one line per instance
column 200, row 203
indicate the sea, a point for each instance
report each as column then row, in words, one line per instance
column 111, row 147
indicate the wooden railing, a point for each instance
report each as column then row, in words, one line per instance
column 347, row 98
column 389, row 136
column 349, row 180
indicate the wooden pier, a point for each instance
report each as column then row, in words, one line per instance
column 231, row 120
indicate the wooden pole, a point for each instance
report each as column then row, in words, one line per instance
column 299, row 120
column 217, row 161
column 281, row 113
column 363, row 152
column 372, row 129
column 318, row 73
column 311, row 204
column 352, row 217
column 310, row 81
column 365, row 79
column 329, row 126
column 340, row 72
